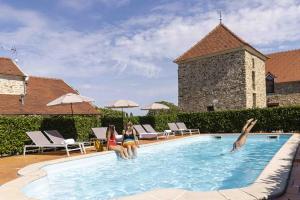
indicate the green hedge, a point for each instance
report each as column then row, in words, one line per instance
column 13, row 137
column 13, row 128
column 269, row 119
column 159, row 122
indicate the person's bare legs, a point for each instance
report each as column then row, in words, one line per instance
column 134, row 150
column 125, row 152
column 119, row 150
column 245, row 131
column 129, row 151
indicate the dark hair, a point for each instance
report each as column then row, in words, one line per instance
column 111, row 130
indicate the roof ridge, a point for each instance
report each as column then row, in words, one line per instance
column 3, row 57
column 44, row 77
column 284, row 51
column 209, row 33
column 208, row 45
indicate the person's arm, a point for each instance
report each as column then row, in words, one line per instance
column 107, row 140
column 136, row 141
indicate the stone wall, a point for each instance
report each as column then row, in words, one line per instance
column 287, row 88
column 285, row 99
column 13, row 85
column 203, row 81
column 255, row 66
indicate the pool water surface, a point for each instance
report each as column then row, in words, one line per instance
column 201, row 163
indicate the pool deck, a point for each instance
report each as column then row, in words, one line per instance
column 271, row 182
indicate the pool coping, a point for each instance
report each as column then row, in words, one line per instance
column 270, row 183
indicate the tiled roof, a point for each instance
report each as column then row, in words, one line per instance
column 41, row 91
column 284, row 65
column 8, row 67
column 219, row 40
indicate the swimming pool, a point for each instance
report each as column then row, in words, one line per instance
column 200, row 163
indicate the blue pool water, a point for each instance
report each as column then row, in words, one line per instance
column 199, row 164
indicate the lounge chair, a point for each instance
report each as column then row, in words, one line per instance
column 150, row 129
column 182, row 126
column 40, row 141
column 119, row 138
column 144, row 134
column 100, row 133
column 57, row 138
column 173, row 127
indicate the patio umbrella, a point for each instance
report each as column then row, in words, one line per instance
column 155, row 106
column 69, row 98
column 122, row 104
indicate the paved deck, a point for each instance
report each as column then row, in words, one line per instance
column 10, row 165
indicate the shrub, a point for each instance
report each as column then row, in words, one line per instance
column 13, row 128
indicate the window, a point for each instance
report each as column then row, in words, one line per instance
column 254, row 100
column 253, row 63
column 210, row 108
column 270, row 86
column 253, row 80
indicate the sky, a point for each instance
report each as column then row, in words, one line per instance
column 124, row 49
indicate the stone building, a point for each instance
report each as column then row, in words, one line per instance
column 283, row 78
column 221, row 72
column 28, row 95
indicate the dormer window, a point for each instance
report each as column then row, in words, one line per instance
column 270, row 86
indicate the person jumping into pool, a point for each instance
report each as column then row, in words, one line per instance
column 112, row 143
column 245, row 131
column 130, row 141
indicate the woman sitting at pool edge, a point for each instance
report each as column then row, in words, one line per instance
column 112, row 143
column 130, row 140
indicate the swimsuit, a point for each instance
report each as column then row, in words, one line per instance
column 128, row 140
column 112, row 141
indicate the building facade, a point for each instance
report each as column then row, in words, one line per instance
column 283, row 78
column 28, row 95
column 221, row 72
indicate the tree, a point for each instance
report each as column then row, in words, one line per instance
column 108, row 112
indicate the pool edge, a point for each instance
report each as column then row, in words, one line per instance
column 271, row 182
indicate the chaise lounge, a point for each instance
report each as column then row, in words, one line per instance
column 182, row 126
column 57, row 138
column 144, row 134
column 150, row 129
column 40, row 141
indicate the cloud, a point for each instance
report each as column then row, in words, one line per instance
column 141, row 47
column 80, row 5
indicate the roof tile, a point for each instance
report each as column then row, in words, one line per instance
column 41, row 91
column 8, row 67
column 220, row 39
column 284, row 65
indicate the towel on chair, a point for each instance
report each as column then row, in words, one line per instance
column 69, row 141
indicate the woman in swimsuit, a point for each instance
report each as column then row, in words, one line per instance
column 130, row 140
column 112, row 143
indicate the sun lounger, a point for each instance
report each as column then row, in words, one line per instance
column 182, row 126
column 40, row 141
column 57, row 138
column 100, row 133
column 173, row 127
column 119, row 138
column 150, row 129
column 144, row 134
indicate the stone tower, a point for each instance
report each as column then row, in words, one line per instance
column 221, row 72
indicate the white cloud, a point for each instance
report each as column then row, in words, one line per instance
column 141, row 46
column 80, row 5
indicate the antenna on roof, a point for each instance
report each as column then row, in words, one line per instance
column 220, row 13
column 12, row 50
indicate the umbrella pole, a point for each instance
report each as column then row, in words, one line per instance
column 123, row 119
